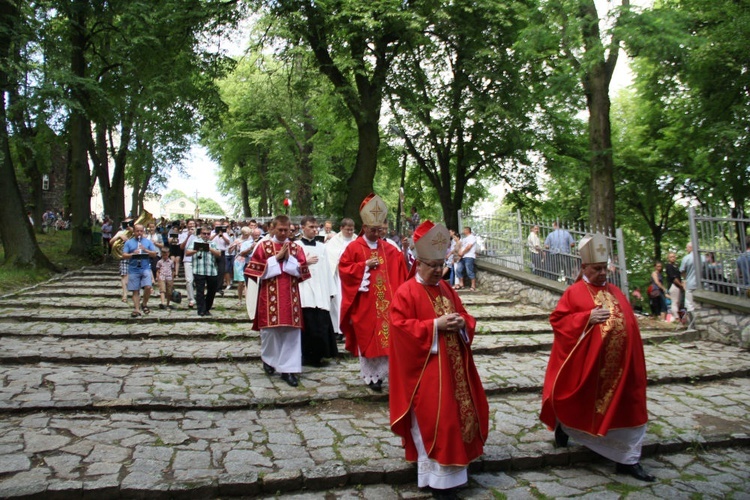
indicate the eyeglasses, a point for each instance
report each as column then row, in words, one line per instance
column 434, row 267
column 205, row 234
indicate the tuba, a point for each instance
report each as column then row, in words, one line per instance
column 145, row 218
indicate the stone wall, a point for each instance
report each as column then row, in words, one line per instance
column 722, row 318
column 719, row 318
column 518, row 285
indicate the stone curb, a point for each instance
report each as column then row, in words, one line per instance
column 181, row 359
column 337, row 474
column 127, row 405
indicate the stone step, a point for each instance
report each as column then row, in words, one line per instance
column 272, row 451
column 113, row 310
column 173, row 379
column 214, row 342
column 118, row 313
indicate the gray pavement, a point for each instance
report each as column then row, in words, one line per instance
column 95, row 404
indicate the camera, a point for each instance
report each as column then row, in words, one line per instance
column 221, row 229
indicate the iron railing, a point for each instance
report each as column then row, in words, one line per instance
column 504, row 240
column 720, row 254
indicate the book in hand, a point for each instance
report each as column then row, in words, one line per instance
column 200, row 247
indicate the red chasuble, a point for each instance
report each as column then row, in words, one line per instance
column 598, row 383
column 442, row 389
column 278, row 297
column 364, row 315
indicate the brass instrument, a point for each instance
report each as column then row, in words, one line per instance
column 145, row 219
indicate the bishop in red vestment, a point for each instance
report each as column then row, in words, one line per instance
column 279, row 265
column 370, row 271
column 437, row 402
column 595, row 385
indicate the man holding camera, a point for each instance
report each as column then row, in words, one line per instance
column 204, row 252
column 222, row 240
column 138, row 251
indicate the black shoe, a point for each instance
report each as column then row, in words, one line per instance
column 207, row 313
column 270, row 370
column 376, row 386
column 447, row 494
column 201, row 313
column 635, row 470
column 561, row 438
column 221, row 293
column 290, row 378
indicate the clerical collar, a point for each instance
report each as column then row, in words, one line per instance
column 585, row 279
column 273, row 238
column 372, row 244
column 309, row 243
column 421, row 281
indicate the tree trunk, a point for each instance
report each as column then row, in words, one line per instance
column 304, row 190
column 264, row 205
column 245, row 198
column 19, row 244
column 78, row 127
column 602, row 183
column 360, row 183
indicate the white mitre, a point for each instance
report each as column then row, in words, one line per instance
column 593, row 249
column 431, row 241
column 373, row 211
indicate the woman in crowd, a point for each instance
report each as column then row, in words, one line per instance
column 659, row 303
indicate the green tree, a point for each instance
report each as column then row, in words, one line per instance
column 472, row 122
column 570, row 37
column 19, row 243
column 354, row 43
column 699, row 49
column 210, row 206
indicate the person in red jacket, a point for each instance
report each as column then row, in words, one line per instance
column 437, row 403
column 370, row 270
column 595, row 385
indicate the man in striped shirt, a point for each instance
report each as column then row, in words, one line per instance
column 205, row 270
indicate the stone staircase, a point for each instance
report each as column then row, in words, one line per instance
column 94, row 403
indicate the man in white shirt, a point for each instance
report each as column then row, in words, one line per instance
column 185, row 238
column 535, row 248
column 468, row 254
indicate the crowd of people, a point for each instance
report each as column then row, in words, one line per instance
column 394, row 305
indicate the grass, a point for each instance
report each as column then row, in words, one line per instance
column 55, row 246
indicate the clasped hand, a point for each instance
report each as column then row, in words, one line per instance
column 599, row 315
column 284, row 252
column 452, row 322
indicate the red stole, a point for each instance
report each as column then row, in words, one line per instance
column 364, row 315
column 443, row 389
column 278, row 297
column 598, row 383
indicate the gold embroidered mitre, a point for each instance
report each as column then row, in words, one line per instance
column 593, row 249
column 373, row 210
column 431, row 241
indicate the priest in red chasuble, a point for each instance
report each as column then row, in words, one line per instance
column 437, row 402
column 370, row 270
column 279, row 265
column 595, row 386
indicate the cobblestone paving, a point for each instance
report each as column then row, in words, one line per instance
column 231, row 383
column 95, row 404
column 720, row 473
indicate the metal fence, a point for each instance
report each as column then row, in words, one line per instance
column 504, row 240
column 720, row 252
